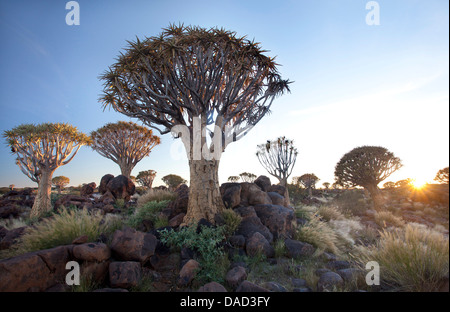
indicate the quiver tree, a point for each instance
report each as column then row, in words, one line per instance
column 247, row 177
column 125, row 143
column 278, row 158
column 196, row 83
column 172, row 181
column 442, row 176
column 326, row 185
column 308, row 181
column 233, row 178
column 45, row 147
column 145, row 178
column 60, row 182
column 367, row 166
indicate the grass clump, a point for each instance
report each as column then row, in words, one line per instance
column 232, row 220
column 62, row 228
column 413, row 258
column 387, row 219
column 149, row 211
column 157, row 195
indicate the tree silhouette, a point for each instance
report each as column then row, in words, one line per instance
column 442, row 176
column 247, row 177
column 145, row 178
column 367, row 166
column 41, row 149
column 60, row 182
column 125, row 143
column 192, row 78
column 172, row 181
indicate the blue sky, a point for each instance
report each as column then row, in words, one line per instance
column 354, row 84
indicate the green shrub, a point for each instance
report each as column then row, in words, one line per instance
column 207, row 242
column 413, row 258
column 148, row 211
column 232, row 220
column 280, row 248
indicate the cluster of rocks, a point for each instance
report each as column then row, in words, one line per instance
column 16, row 203
column 111, row 189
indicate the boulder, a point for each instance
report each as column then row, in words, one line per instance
column 263, row 182
column 132, row 245
column 212, row 287
column 9, row 210
column 121, row 187
column 296, row 249
column 92, row 252
column 225, row 186
column 232, row 196
column 104, row 182
column 34, row 271
column 280, row 221
column 329, row 281
column 251, row 223
column 247, row 286
column 350, row 274
column 235, row 276
column 88, row 189
column 275, row 287
column 177, row 220
column 10, row 237
column 257, row 243
column 276, row 198
column 283, row 191
column 97, row 271
column 237, row 241
column 249, row 190
column 338, row 265
column 124, row 274
column 188, row 272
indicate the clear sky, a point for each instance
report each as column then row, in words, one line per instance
column 354, row 84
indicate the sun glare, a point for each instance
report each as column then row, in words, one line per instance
column 418, row 184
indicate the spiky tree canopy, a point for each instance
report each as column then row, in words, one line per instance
column 366, row 166
column 188, row 72
column 278, row 158
column 247, row 177
column 307, row 180
column 145, row 178
column 45, row 146
column 233, row 178
column 60, row 181
column 442, row 176
column 125, row 143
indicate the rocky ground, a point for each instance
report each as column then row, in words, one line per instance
column 262, row 254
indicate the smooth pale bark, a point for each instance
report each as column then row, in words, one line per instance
column 43, row 203
column 283, row 182
column 205, row 200
column 126, row 170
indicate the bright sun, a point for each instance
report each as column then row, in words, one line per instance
column 418, row 184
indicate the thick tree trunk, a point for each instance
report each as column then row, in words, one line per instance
column 377, row 197
column 43, row 203
column 283, row 182
column 205, row 200
column 125, row 170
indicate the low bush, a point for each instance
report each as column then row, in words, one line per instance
column 232, row 220
column 148, row 211
column 155, row 195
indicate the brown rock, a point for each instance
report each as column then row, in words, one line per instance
column 121, row 187
column 125, row 274
column 263, row 182
column 80, row 240
column 212, row 287
column 329, row 281
column 132, row 245
column 258, row 243
column 177, row 220
column 96, row 270
column 296, row 249
column 11, row 237
column 88, row 189
column 92, row 252
column 251, row 223
column 103, row 182
column 188, row 272
column 108, row 208
column 232, row 196
column 235, row 276
column 280, row 221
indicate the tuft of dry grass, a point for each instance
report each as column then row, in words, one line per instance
column 387, row 219
column 155, row 195
column 413, row 258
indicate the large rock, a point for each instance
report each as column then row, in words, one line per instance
column 247, row 286
column 257, row 243
column 263, row 182
column 232, row 196
column 297, row 249
column 251, row 194
column 235, row 276
column 35, row 271
column 97, row 271
column 132, row 245
column 212, row 287
column 92, row 252
column 251, row 223
column 277, row 199
column 104, row 182
column 188, row 272
column 281, row 190
column 11, row 237
column 125, row 274
column 180, row 204
column 9, row 210
column 88, row 189
column 329, row 281
column 281, row 221
column 121, row 187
